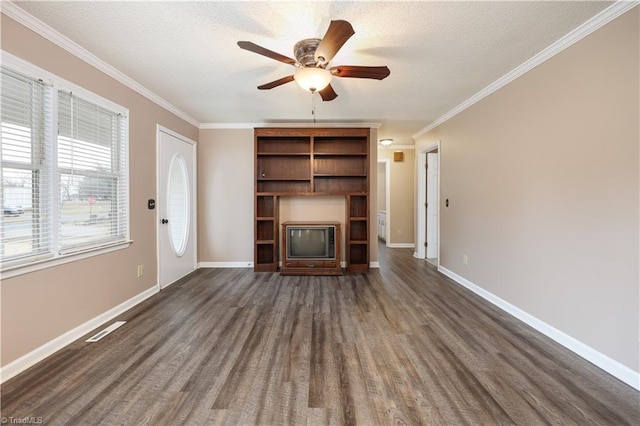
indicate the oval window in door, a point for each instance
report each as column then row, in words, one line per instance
column 178, row 204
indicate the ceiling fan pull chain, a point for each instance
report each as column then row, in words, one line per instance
column 313, row 106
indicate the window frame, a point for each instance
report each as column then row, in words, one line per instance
column 55, row 257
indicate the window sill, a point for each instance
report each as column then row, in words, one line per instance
column 11, row 271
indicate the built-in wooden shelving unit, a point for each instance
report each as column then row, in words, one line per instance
column 307, row 162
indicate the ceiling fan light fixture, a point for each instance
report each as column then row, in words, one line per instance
column 386, row 142
column 312, row 79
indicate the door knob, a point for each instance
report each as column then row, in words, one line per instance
column 165, row 221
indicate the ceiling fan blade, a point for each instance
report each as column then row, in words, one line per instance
column 252, row 47
column 328, row 94
column 276, row 83
column 356, row 71
column 336, row 36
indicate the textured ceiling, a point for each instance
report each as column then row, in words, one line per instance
column 439, row 53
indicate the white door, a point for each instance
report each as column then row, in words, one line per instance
column 432, row 205
column 176, row 207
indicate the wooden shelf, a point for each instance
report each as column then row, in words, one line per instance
column 339, row 166
column 310, row 162
column 358, row 208
column 283, row 167
column 357, row 246
column 283, row 144
column 283, row 154
column 341, row 144
column 282, row 179
column 362, row 176
column 284, row 186
column 266, row 233
column 338, row 154
column 340, row 185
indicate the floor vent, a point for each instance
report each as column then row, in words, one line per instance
column 106, row 331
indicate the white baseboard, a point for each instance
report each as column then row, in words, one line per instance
column 374, row 264
column 401, row 245
column 240, row 264
column 247, row 264
column 19, row 365
column 611, row 366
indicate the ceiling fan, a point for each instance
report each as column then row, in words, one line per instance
column 312, row 58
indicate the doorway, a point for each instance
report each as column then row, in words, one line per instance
column 176, row 206
column 383, row 209
column 428, row 232
column 431, row 228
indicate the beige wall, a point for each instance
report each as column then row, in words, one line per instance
column 401, row 196
column 225, row 197
column 40, row 306
column 543, row 183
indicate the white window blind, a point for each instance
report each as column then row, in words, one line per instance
column 64, row 173
column 25, row 152
column 91, row 172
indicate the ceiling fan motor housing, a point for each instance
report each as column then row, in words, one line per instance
column 305, row 50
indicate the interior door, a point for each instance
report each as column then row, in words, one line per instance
column 432, row 206
column 176, row 207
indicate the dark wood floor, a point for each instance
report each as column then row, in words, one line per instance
column 400, row 345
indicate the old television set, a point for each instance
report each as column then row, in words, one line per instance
column 310, row 241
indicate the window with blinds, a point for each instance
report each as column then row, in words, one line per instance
column 90, row 173
column 64, row 178
column 25, row 152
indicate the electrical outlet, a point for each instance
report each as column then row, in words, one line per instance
column 465, row 260
column 140, row 270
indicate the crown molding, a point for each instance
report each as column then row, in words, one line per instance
column 593, row 24
column 218, row 126
column 205, row 126
column 14, row 12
